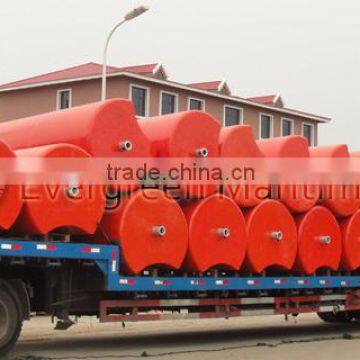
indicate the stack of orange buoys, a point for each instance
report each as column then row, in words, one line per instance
column 238, row 228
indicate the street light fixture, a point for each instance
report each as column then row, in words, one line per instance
column 128, row 17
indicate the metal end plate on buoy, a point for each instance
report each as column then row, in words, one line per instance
column 350, row 229
column 272, row 238
column 298, row 198
column 10, row 195
column 75, row 207
column 217, row 234
column 151, row 230
column 319, row 241
column 238, row 142
column 191, row 135
column 342, row 200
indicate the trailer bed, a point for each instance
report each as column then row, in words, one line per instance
column 107, row 258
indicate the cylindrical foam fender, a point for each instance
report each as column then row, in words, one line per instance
column 272, row 238
column 76, row 207
column 298, row 198
column 319, row 241
column 350, row 228
column 238, row 142
column 10, row 195
column 342, row 200
column 151, row 230
column 356, row 186
column 103, row 129
column 192, row 136
column 330, row 151
column 217, row 234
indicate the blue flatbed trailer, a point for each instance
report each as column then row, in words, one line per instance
column 64, row 279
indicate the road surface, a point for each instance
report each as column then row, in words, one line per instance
column 250, row 338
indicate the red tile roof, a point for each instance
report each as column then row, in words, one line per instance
column 209, row 85
column 80, row 71
column 140, row 69
column 266, row 99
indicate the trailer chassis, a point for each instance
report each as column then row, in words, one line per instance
column 120, row 298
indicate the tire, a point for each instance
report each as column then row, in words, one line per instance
column 339, row 317
column 10, row 322
column 356, row 315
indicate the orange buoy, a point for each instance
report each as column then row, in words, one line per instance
column 151, row 230
column 356, row 187
column 191, row 136
column 103, row 129
column 10, row 195
column 298, row 198
column 238, row 142
column 350, row 228
column 272, row 238
column 319, row 241
column 217, row 234
column 342, row 200
column 75, row 207
column 330, row 151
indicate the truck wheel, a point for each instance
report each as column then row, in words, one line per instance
column 356, row 315
column 10, row 322
column 339, row 317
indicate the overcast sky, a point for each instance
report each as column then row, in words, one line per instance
column 308, row 50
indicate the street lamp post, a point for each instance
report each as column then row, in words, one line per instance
column 128, row 17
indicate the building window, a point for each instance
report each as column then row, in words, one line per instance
column 168, row 103
column 308, row 132
column 232, row 116
column 266, row 126
column 139, row 96
column 63, row 100
column 196, row 104
column 287, row 127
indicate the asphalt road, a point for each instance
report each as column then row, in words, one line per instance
column 243, row 338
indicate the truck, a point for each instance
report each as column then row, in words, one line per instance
column 66, row 280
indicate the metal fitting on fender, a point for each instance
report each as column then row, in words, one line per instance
column 126, row 145
column 325, row 239
column 224, row 232
column 277, row 235
column 159, row 230
column 73, row 191
column 202, row 152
